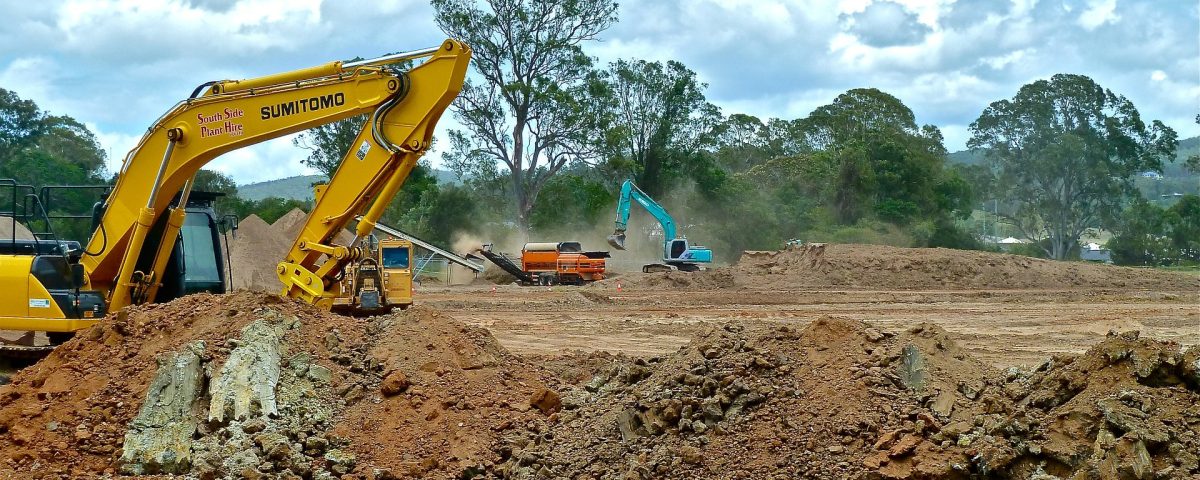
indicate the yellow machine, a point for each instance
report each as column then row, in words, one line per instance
column 47, row 289
column 379, row 282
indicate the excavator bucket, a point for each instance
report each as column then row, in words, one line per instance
column 617, row 240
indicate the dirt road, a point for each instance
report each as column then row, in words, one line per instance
column 1003, row 327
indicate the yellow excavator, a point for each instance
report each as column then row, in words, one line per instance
column 49, row 287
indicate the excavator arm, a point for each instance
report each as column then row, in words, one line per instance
column 374, row 169
column 125, row 262
column 631, row 193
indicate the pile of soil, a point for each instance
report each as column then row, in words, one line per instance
column 840, row 399
column 8, row 228
column 883, row 267
column 250, row 385
column 290, row 224
column 256, row 249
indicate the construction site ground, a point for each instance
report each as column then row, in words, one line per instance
column 846, row 361
column 1001, row 327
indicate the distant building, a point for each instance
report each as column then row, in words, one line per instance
column 1007, row 244
column 1152, row 175
column 1094, row 252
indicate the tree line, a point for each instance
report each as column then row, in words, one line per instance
column 547, row 135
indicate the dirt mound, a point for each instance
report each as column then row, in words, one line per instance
column 841, row 399
column 8, row 228
column 703, row 280
column 256, row 249
column 883, row 267
column 750, row 404
column 250, row 385
column 875, row 266
column 289, row 224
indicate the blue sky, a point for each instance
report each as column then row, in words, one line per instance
column 117, row 65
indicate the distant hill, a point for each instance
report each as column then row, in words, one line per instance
column 446, row 177
column 966, row 157
column 300, row 187
column 291, row 188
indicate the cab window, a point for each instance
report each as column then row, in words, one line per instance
column 395, row 257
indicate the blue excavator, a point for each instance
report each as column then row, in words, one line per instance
column 677, row 254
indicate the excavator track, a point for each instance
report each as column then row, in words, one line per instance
column 24, row 352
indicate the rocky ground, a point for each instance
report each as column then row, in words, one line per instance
column 662, row 381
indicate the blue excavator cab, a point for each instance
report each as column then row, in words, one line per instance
column 678, row 254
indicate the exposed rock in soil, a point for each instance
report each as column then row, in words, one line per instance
column 255, row 386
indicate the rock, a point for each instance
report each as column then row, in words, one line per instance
column 971, row 389
column 690, row 454
column 629, row 425
column 912, row 369
column 1134, row 460
column 886, row 440
column 159, row 439
column 546, row 400
column 943, row 404
column 711, row 409
column 245, row 387
column 905, row 446
column 1129, row 419
column 340, row 462
column 873, row 335
column 318, row 373
column 835, row 449
column 394, row 384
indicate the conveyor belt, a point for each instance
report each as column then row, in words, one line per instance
column 503, row 262
column 395, row 232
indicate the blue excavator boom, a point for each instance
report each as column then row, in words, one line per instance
column 677, row 254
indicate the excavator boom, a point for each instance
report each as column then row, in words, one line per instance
column 677, row 254
column 374, row 169
column 137, row 229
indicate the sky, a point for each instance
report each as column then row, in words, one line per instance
column 117, row 65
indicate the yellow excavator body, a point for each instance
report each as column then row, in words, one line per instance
column 124, row 261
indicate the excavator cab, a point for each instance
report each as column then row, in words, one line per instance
column 380, row 282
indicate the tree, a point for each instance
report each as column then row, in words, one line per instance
column 884, row 162
column 1183, row 226
column 1192, row 163
column 1140, row 236
column 21, row 123
column 535, row 108
column 66, row 138
column 328, row 144
column 1065, row 151
column 661, row 118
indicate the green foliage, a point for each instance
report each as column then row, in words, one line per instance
column 1150, row 235
column 328, row 144
column 570, row 202
column 1065, row 151
column 1141, row 240
column 21, row 123
column 38, row 149
column 539, row 105
column 885, row 161
column 431, row 211
column 660, row 119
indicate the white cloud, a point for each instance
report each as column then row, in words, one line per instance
column 117, row 65
column 269, row 160
column 1098, row 13
column 886, row 24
